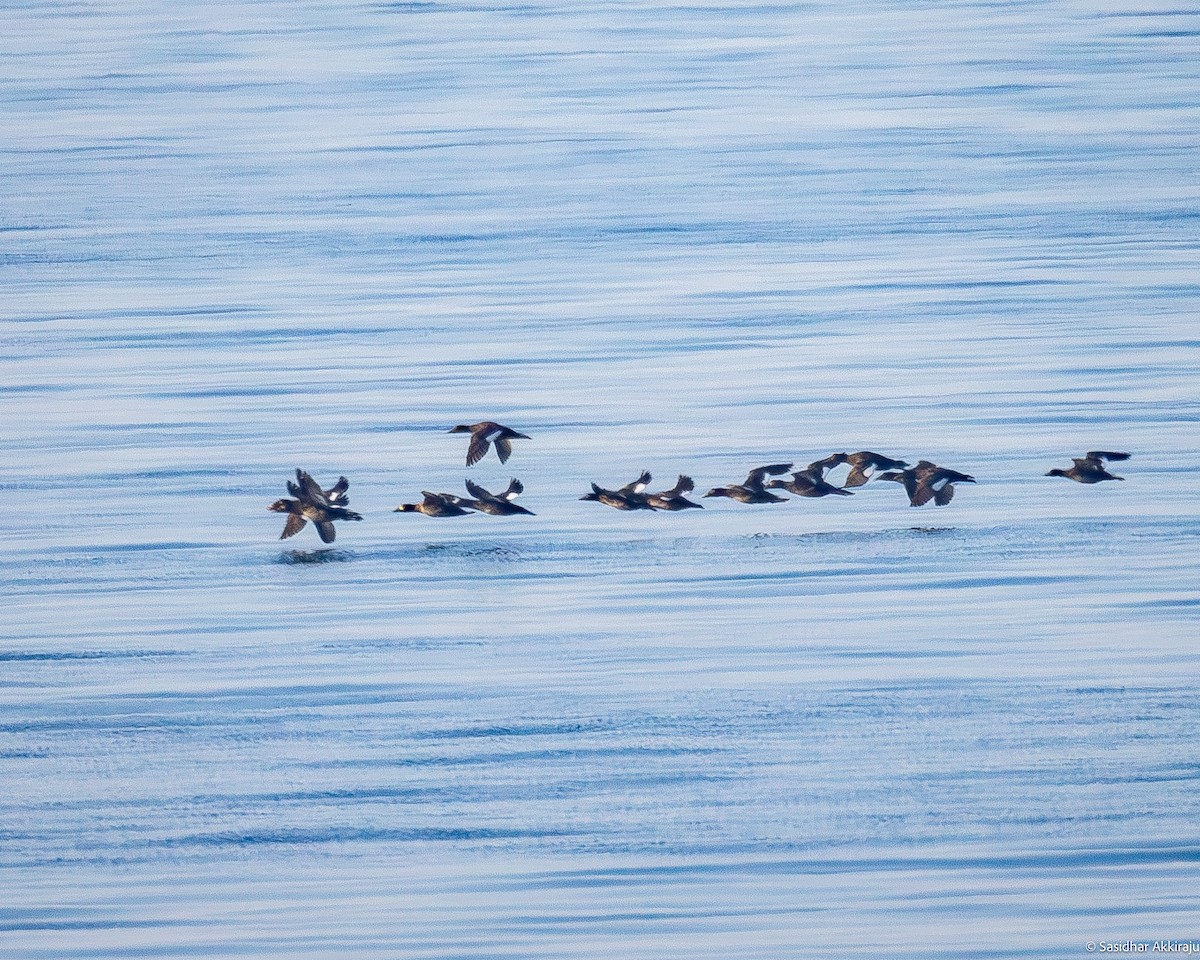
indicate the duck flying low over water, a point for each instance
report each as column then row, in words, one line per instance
column 674, row 498
column 497, row 504
column 436, row 505
column 306, row 488
column 863, row 465
column 629, row 497
column 753, row 490
column 487, row 434
column 301, row 511
column 927, row 481
column 1090, row 467
column 808, row 483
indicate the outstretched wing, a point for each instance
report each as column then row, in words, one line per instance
column 638, row 485
column 919, row 491
column 945, row 495
column 758, row 474
column 857, row 476
column 295, row 523
column 477, row 491
column 310, row 490
column 477, row 449
column 337, row 493
column 829, row 462
column 326, row 531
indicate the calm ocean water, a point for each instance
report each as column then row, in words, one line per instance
column 239, row 238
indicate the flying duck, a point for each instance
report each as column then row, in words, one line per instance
column 485, row 434
column 629, row 497
column 927, row 481
column 436, row 505
column 497, row 504
column 301, row 511
column 674, row 498
column 808, row 483
column 1090, row 467
column 753, row 491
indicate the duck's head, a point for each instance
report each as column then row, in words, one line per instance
column 406, row 508
column 718, row 492
column 461, row 428
column 281, row 506
column 891, row 475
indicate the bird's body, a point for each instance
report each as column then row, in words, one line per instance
column 497, row 504
column 320, row 506
column 809, row 483
column 927, row 481
column 629, row 497
column 301, row 511
column 487, row 434
column 753, row 490
column 1090, row 467
column 674, row 498
column 436, row 505
column 617, row 499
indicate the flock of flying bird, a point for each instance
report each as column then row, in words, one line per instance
column 923, row 482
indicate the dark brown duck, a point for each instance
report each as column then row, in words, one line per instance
column 1090, row 467
column 753, row 490
column 927, row 481
column 809, row 483
column 674, row 498
column 629, row 497
column 320, row 506
column 436, row 505
column 497, row 504
column 485, row 435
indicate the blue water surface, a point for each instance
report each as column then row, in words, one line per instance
column 238, row 238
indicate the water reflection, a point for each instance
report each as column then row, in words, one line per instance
column 316, row 556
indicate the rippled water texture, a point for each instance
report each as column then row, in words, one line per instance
column 237, row 238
